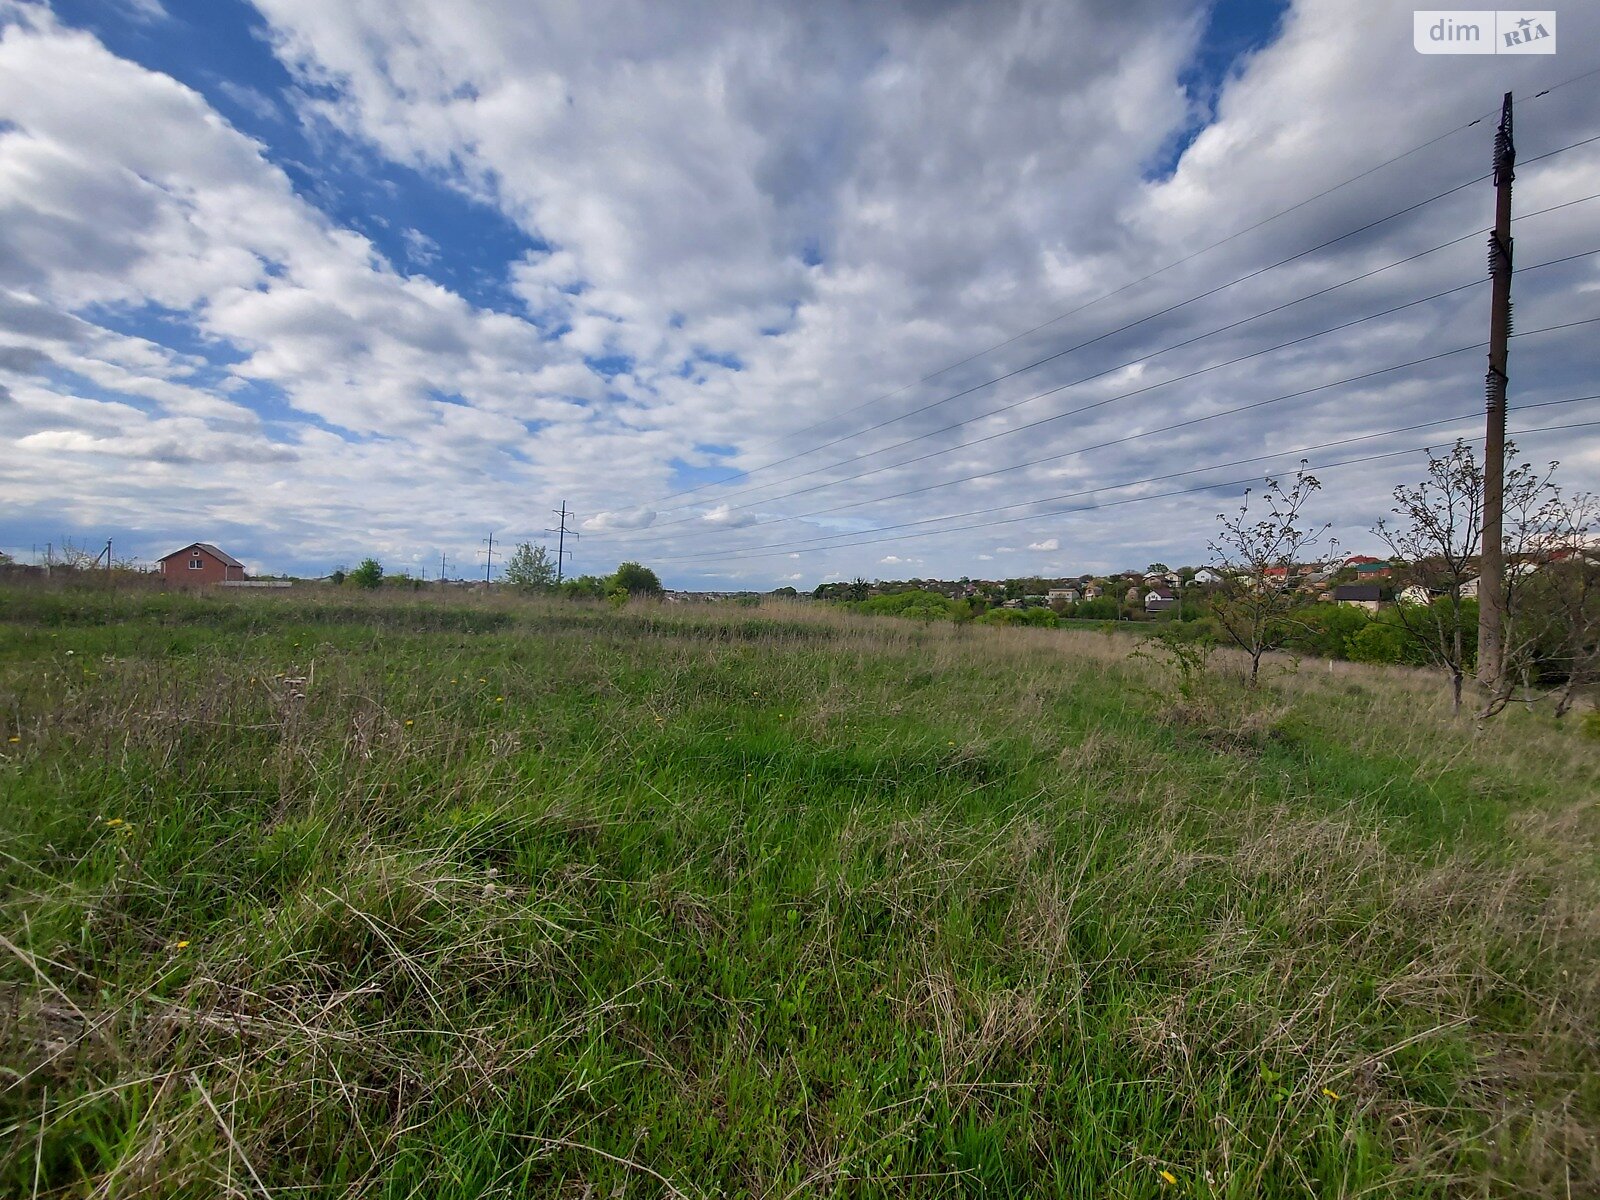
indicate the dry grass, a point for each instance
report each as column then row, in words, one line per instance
column 385, row 898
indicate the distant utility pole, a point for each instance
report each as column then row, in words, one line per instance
column 106, row 553
column 488, row 564
column 442, row 567
column 562, row 532
column 1491, row 576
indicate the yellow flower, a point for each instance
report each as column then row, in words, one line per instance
column 452, row 681
column 183, row 945
column 499, row 699
column 114, row 822
column 483, row 680
column 14, row 740
column 1168, row 1178
column 1331, row 1095
column 410, row 722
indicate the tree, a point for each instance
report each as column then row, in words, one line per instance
column 531, row 569
column 338, row 576
column 1437, row 538
column 368, row 575
column 636, row 580
column 1255, row 613
column 1563, row 602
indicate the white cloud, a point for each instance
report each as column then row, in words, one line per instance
column 640, row 518
column 725, row 515
column 253, row 101
column 763, row 218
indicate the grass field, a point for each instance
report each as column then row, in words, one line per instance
column 399, row 897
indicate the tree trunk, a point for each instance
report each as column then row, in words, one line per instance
column 1564, row 697
column 1455, row 692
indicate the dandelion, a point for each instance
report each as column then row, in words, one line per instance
column 1168, row 1178
column 1331, row 1094
column 113, row 822
column 499, row 699
column 410, row 723
column 182, row 945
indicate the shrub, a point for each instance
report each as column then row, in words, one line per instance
column 1378, row 642
column 917, row 605
column 636, row 579
column 368, row 575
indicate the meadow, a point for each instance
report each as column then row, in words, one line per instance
column 313, row 894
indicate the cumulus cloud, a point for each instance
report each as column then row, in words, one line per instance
column 639, row 518
column 747, row 229
column 727, row 517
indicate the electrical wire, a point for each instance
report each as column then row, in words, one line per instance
column 1098, row 374
column 821, row 542
column 1127, row 286
column 1043, row 421
column 1204, row 487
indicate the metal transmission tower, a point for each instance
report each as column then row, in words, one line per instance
column 562, row 534
column 1491, row 585
column 488, row 563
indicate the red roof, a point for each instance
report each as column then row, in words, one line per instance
column 226, row 558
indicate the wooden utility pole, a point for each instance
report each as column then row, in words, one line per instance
column 488, row 563
column 1492, row 575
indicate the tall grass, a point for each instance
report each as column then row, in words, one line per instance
column 473, row 897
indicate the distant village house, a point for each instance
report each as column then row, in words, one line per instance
column 1359, row 595
column 201, row 563
column 1160, row 600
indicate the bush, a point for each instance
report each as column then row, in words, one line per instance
column 368, row 575
column 1378, row 642
column 636, row 579
column 916, row 605
column 1328, row 629
column 1039, row 618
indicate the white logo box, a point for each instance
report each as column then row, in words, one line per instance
column 1483, row 31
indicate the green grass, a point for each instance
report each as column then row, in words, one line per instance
column 487, row 898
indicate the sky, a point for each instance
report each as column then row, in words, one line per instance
column 765, row 294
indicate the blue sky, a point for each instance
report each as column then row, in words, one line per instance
column 320, row 281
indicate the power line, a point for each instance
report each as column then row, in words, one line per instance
column 1032, row 425
column 1110, row 333
column 1123, row 288
column 1204, row 487
column 1171, row 308
column 563, row 533
column 819, row 542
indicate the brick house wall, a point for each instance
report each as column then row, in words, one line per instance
column 198, row 565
